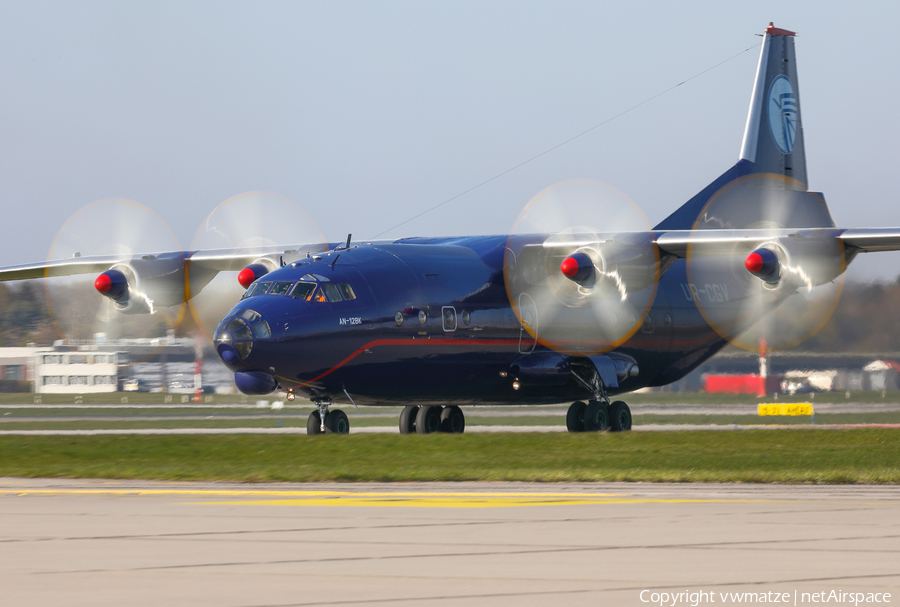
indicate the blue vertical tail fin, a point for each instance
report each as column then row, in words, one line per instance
column 773, row 136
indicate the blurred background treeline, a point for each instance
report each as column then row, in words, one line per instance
column 866, row 319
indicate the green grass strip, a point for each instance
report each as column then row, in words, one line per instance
column 753, row 456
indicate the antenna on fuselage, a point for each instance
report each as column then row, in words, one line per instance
column 347, row 246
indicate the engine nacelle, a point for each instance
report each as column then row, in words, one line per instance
column 144, row 284
column 114, row 285
column 626, row 264
column 797, row 261
column 251, row 273
column 763, row 263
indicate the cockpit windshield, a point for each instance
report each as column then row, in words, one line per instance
column 312, row 287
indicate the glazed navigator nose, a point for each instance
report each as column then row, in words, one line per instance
column 236, row 334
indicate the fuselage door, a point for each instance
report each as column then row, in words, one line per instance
column 529, row 331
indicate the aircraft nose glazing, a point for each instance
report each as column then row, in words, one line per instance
column 236, row 334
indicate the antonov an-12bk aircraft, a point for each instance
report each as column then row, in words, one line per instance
column 575, row 315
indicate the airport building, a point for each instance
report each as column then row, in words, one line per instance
column 166, row 364
column 85, row 372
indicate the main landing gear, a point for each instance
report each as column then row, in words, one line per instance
column 323, row 421
column 598, row 415
column 432, row 418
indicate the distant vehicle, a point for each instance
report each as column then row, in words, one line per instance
column 798, row 387
column 136, row 385
column 179, row 387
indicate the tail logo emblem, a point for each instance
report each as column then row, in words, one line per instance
column 784, row 113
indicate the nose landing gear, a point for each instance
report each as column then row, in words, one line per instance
column 323, row 421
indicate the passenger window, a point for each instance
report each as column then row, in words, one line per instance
column 347, row 291
column 280, row 288
column 333, row 293
column 303, row 290
column 449, row 313
column 319, row 296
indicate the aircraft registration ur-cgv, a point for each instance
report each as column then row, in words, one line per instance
column 577, row 314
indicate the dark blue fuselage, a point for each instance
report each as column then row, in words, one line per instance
column 430, row 322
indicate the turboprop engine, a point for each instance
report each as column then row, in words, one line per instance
column 146, row 283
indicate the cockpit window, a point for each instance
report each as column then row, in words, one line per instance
column 303, row 290
column 258, row 288
column 280, row 288
column 249, row 315
column 332, row 291
column 262, row 330
column 325, row 291
column 235, row 323
column 347, row 291
column 312, row 277
column 243, row 333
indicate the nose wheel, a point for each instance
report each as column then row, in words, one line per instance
column 323, row 421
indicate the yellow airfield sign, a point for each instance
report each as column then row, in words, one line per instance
column 786, row 409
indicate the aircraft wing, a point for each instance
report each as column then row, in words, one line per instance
column 713, row 242
column 214, row 260
column 871, row 240
column 61, row 267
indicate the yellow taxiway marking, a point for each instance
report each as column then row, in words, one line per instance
column 481, row 501
column 412, row 499
column 298, row 494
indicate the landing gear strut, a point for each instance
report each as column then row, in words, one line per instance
column 323, row 421
column 599, row 414
column 432, row 418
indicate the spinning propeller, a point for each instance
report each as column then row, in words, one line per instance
column 781, row 286
column 587, row 287
column 116, row 229
column 133, row 279
column 278, row 228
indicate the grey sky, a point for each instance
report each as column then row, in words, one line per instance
column 367, row 113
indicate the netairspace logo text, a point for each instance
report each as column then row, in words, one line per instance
column 675, row 599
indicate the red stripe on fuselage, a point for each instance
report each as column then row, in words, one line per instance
column 418, row 342
column 470, row 342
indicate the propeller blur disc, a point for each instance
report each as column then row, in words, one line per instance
column 598, row 308
column 252, row 220
column 787, row 308
column 110, row 227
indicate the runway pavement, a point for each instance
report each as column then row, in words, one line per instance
column 78, row 542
